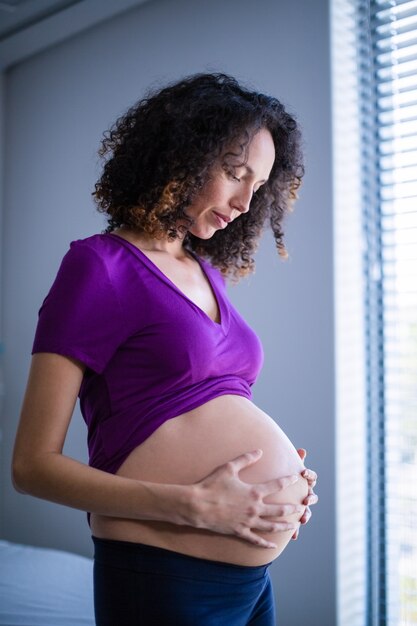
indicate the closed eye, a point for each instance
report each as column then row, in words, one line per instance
column 233, row 177
column 254, row 191
column 238, row 180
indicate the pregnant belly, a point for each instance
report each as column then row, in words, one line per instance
column 188, row 447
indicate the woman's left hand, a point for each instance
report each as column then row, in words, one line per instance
column 311, row 497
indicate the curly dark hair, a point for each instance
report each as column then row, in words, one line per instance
column 160, row 153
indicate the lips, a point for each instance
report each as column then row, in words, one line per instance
column 224, row 219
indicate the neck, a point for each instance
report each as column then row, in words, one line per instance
column 174, row 248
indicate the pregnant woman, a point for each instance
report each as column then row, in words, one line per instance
column 191, row 489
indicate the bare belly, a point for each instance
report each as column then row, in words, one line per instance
column 187, row 448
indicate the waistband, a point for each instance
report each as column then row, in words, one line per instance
column 154, row 560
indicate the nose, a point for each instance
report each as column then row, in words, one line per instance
column 241, row 201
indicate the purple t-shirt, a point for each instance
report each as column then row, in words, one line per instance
column 150, row 352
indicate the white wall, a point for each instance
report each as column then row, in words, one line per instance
column 57, row 105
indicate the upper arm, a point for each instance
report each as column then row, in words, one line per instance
column 82, row 317
column 51, row 393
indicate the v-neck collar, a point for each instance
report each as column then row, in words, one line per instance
column 222, row 308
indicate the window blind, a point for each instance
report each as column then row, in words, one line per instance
column 384, row 52
column 393, row 27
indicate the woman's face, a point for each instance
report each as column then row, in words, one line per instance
column 225, row 196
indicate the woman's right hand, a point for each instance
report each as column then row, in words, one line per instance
column 223, row 503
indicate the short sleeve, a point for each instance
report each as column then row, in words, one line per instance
column 81, row 316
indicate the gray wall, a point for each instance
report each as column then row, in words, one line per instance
column 5, row 479
column 57, row 105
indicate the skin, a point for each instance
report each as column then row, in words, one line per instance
column 39, row 466
column 230, row 194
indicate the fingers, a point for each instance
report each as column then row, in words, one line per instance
column 310, row 476
column 278, row 484
column 302, row 453
column 266, row 526
column 311, row 499
column 303, row 520
column 248, row 534
column 281, row 510
column 244, row 460
column 306, row 516
column 295, row 535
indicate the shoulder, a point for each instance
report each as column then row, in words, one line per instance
column 99, row 245
column 99, row 253
column 108, row 264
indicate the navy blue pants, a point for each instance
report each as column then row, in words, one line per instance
column 140, row 585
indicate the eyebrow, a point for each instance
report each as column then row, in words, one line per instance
column 250, row 171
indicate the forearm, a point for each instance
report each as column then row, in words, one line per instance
column 63, row 480
column 220, row 502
